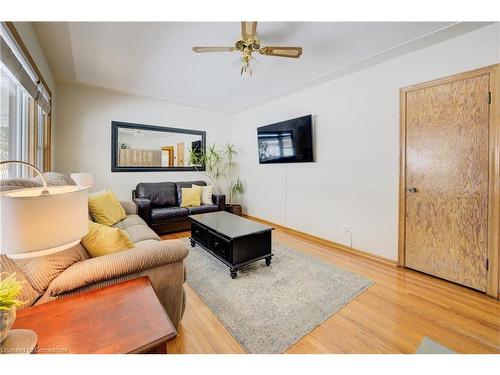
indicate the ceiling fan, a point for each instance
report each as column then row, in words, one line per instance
column 249, row 43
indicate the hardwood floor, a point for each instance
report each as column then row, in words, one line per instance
column 392, row 316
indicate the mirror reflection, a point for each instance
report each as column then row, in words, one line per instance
column 148, row 147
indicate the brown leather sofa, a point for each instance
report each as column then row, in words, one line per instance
column 158, row 204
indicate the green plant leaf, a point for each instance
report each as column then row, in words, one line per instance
column 10, row 289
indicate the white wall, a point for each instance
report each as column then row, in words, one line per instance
column 354, row 182
column 83, row 137
column 30, row 40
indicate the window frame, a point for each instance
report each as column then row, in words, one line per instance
column 33, row 108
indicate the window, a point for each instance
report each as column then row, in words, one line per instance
column 24, row 107
column 14, row 121
column 40, row 138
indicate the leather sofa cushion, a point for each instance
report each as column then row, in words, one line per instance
column 161, row 194
column 204, row 208
column 164, row 214
column 186, row 184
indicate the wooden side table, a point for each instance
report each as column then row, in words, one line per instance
column 122, row 318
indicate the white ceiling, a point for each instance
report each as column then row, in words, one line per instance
column 156, row 60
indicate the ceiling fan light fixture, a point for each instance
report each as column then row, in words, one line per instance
column 246, row 68
column 246, row 71
column 250, row 43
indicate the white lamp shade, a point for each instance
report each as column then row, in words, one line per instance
column 35, row 224
column 82, row 179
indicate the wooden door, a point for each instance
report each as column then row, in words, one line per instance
column 447, row 180
column 180, row 154
column 169, row 150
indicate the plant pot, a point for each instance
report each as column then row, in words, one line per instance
column 235, row 209
column 7, row 319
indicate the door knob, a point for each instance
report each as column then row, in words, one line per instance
column 412, row 189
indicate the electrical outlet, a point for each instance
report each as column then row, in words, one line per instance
column 348, row 234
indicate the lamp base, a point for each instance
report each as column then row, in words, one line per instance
column 19, row 341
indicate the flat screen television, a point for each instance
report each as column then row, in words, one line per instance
column 286, row 142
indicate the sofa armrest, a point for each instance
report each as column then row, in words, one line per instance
column 126, row 262
column 130, row 207
column 219, row 200
column 144, row 209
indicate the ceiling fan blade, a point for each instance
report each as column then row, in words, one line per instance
column 248, row 30
column 293, row 52
column 213, row 49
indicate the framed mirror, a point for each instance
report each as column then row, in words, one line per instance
column 142, row 148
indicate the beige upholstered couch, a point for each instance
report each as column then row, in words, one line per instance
column 73, row 271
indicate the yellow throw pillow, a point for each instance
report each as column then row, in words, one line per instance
column 106, row 209
column 103, row 240
column 191, row 196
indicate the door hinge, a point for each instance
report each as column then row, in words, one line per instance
column 487, row 264
column 489, row 97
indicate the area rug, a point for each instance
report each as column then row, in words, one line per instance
column 268, row 309
column 428, row 346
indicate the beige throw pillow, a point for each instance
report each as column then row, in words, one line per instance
column 206, row 194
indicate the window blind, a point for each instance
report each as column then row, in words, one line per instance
column 12, row 59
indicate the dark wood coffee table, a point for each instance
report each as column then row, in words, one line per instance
column 234, row 240
column 122, row 318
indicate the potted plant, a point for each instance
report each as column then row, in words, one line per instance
column 221, row 167
column 235, row 189
column 10, row 289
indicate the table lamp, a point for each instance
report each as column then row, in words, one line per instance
column 39, row 221
column 82, row 179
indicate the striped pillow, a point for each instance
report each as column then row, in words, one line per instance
column 40, row 271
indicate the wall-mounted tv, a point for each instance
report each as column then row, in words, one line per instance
column 286, row 142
